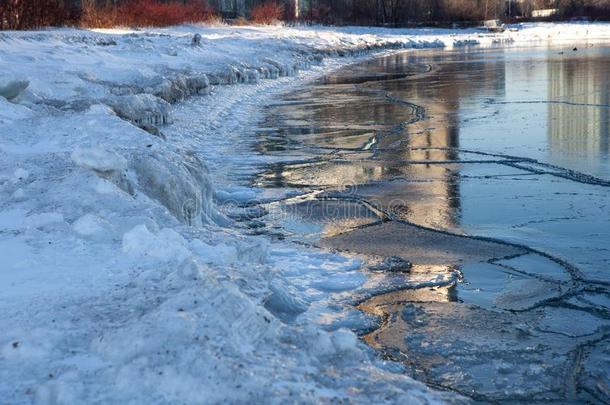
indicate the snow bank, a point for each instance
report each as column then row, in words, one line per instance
column 99, row 159
column 141, row 109
column 180, row 182
column 121, row 281
column 63, row 66
column 11, row 89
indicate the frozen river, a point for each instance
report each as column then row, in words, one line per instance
column 308, row 213
column 476, row 185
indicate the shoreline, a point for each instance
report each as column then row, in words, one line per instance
column 389, row 236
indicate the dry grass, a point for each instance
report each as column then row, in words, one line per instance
column 144, row 13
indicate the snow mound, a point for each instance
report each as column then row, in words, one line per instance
column 282, row 69
column 89, row 225
column 283, row 304
column 10, row 112
column 165, row 245
column 13, row 88
column 465, row 42
column 181, row 183
column 180, row 87
column 99, row 159
column 142, row 109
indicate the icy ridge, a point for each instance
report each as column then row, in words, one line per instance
column 113, row 66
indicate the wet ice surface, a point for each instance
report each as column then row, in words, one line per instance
column 488, row 172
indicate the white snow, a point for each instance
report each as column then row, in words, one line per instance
column 98, row 159
column 88, row 225
column 11, row 89
column 166, row 245
column 141, row 109
column 120, row 281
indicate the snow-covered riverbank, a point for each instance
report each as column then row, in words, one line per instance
column 120, row 278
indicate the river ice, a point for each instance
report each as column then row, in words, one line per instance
column 399, row 162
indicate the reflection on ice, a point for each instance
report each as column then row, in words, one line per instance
column 487, row 187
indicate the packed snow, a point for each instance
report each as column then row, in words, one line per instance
column 121, row 280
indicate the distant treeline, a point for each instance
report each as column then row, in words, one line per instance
column 32, row 14
column 24, row 14
column 447, row 12
column 29, row 14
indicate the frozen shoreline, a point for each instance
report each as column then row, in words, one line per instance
column 120, row 272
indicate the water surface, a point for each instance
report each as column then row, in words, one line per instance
column 476, row 185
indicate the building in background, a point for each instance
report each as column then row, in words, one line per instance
column 584, row 88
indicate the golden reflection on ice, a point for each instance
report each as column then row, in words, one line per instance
column 389, row 306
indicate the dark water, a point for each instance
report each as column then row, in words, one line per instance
column 489, row 172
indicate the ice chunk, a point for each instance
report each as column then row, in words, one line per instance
column 344, row 341
column 105, row 187
column 561, row 320
column 283, row 69
column 11, row 89
column 247, row 75
column 43, row 219
column 393, row 264
column 340, row 282
column 253, row 252
column 416, row 244
column 539, row 265
column 88, row 225
column 238, row 74
column 358, row 321
column 165, row 245
column 99, row 159
column 12, row 219
column 592, row 299
column 10, row 111
column 181, row 183
column 283, row 304
column 20, row 175
column 106, row 164
column 229, row 76
column 597, row 371
column 142, row 109
column 237, row 195
column 19, row 194
column 322, row 345
column 172, row 90
column 220, row 254
column 198, row 84
column 520, row 295
column 495, row 287
column 17, row 220
column 465, row 42
column 196, row 41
